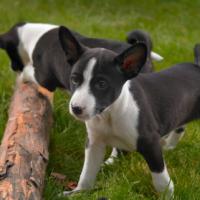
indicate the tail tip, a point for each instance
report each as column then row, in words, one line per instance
column 156, row 56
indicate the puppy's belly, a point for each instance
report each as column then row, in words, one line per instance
column 120, row 143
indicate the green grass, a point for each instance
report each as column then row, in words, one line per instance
column 174, row 27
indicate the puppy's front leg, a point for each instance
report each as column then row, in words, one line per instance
column 94, row 155
column 151, row 150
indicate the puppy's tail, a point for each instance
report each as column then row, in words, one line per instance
column 197, row 54
column 142, row 36
column 9, row 36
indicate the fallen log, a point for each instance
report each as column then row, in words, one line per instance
column 24, row 147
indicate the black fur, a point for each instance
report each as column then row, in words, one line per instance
column 180, row 130
column 9, row 41
column 50, row 62
column 170, row 98
column 144, row 37
column 167, row 100
column 197, row 54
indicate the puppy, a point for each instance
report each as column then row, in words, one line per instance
column 124, row 108
column 35, row 51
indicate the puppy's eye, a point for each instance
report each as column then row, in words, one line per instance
column 101, row 85
column 76, row 80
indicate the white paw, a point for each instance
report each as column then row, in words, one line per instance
column 67, row 193
column 163, row 184
column 169, row 191
column 110, row 161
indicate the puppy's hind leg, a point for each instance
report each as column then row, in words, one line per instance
column 151, row 150
column 174, row 137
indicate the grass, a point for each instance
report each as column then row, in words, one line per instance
column 174, row 27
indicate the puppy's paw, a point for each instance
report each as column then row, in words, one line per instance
column 68, row 193
column 110, row 161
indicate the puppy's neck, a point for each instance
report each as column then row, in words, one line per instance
column 119, row 105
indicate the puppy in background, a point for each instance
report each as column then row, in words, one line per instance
column 35, row 52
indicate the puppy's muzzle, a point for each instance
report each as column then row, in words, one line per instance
column 77, row 110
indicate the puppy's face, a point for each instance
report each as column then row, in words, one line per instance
column 98, row 75
column 95, row 83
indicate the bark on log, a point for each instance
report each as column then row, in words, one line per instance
column 24, row 148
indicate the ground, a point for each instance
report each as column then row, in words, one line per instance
column 174, row 27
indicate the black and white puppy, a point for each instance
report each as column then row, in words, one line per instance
column 35, row 51
column 126, row 109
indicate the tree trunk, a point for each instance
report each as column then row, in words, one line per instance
column 24, row 148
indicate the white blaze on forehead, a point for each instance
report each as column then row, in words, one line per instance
column 82, row 97
column 87, row 74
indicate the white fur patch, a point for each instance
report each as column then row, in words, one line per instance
column 82, row 96
column 156, row 56
column 28, row 74
column 117, row 125
column 172, row 140
column 29, row 34
column 163, row 183
column 94, row 156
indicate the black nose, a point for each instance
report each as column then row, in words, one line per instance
column 77, row 110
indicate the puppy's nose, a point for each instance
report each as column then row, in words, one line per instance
column 77, row 110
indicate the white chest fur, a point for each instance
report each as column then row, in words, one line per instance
column 117, row 125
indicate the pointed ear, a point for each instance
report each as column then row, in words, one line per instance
column 70, row 45
column 131, row 61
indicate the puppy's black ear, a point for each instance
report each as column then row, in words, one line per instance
column 70, row 45
column 131, row 61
